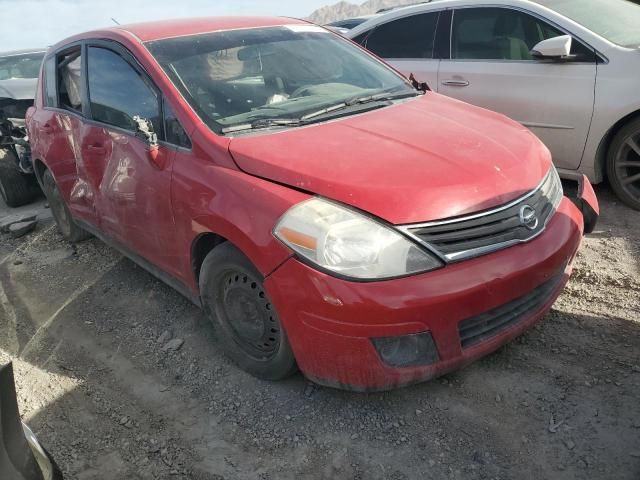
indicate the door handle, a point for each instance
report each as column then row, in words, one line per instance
column 456, row 83
column 96, row 149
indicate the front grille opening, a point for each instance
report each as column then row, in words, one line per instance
column 489, row 324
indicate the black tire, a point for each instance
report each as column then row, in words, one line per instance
column 66, row 225
column 16, row 188
column 623, row 164
column 246, row 322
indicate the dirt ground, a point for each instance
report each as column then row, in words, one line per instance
column 110, row 400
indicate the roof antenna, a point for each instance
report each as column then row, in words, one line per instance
column 115, row 21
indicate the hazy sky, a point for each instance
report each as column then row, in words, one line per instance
column 39, row 23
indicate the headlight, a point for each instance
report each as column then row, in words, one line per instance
column 348, row 243
column 552, row 188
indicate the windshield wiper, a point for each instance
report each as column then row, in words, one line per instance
column 379, row 97
column 263, row 123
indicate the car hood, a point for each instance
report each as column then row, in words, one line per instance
column 18, row 88
column 423, row 159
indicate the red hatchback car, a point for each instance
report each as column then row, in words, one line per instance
column 325, row 214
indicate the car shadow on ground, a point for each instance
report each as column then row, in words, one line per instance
column 112, row 402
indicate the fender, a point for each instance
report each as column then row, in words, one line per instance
column 224, row 207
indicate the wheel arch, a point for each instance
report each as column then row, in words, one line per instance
column 201, row 246
column 39, row 168
column 605, row 142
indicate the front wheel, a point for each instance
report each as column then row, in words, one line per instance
column 16, row 188
column 623, row 164
column 67, row 226
column 250, row 331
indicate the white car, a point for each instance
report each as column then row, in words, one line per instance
column 567, row 69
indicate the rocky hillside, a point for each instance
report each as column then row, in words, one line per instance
column 344, row 9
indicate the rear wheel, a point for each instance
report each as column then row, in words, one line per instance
column 16, row 188
column 248, row 325
column 623, row 164
column 67, row 226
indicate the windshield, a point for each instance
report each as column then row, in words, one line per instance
column 21, row 66
column 235, row 77
column 616, row 20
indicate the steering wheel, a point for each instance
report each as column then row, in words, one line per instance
column 300, row 90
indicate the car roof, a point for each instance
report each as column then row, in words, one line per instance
column 402, row 11
column 360, row 17
column 157, row 30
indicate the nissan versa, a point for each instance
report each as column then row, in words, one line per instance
column 325, row 213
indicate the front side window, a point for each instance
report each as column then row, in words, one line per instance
column 502, row 34
column 283, row 73
column 69, row 80
column 408, row 37
column 118, row 92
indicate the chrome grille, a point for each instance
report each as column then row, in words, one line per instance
column 485, row 232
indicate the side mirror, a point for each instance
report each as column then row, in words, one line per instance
column 146, row 132
column 420, row 86
column 556, row 48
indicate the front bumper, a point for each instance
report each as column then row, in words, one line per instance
column 330, row 322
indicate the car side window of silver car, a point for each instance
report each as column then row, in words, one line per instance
column 407, row 37
column 493, row 33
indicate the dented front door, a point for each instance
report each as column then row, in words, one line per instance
column 131, row 188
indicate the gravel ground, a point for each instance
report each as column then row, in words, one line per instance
column 120, row 378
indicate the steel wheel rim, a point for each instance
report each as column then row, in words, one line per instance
column 627, row 166
column 248, row 316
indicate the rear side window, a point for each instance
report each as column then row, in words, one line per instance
column 118, row 92
column 69, row 76
column 408, row 37
column 50, row 97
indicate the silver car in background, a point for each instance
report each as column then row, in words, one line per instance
column 567, row 69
